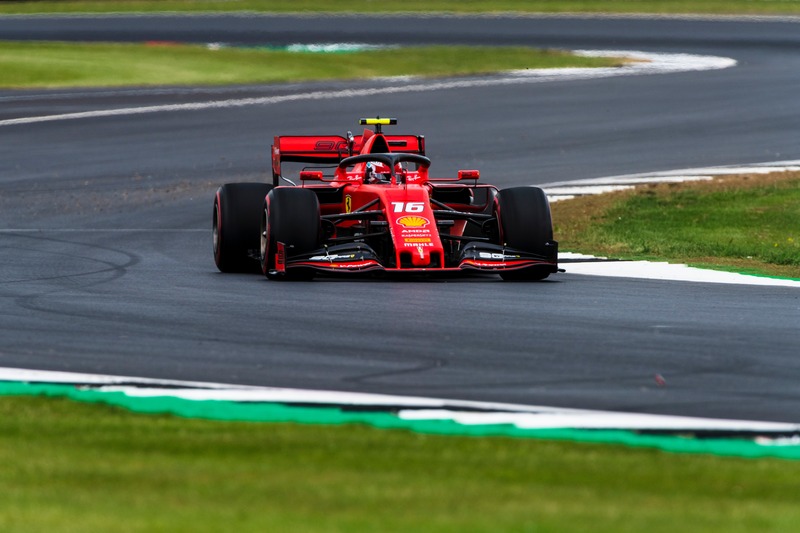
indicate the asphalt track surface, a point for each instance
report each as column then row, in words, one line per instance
column 105, row 248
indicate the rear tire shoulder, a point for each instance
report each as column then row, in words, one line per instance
column 235, row 225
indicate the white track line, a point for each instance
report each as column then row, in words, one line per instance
column 671, row 272
column 648, row 63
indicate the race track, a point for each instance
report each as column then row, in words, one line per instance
column 106, row 260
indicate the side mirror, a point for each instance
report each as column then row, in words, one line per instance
column 469, row 174
column 310, row 175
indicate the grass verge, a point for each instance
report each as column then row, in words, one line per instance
column 70, row 466
column 748, row 223
column 371, row 6
column 41, row 64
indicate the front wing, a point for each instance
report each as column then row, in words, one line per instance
column 359, row 258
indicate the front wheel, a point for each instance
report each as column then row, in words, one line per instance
column 290, row 216
column 524, row 223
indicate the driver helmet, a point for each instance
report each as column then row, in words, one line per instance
column 377, row 172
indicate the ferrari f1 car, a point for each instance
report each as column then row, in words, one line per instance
column 366, row 203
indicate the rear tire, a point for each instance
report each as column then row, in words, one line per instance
column 290, row 216
column 235, row 224
column 524, row 223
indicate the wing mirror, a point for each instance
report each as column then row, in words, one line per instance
column 469, row 174
column 310, row 175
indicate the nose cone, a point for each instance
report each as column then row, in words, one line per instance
column 421, row 257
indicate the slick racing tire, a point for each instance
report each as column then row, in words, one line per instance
column 524, row 224
column 235, row 224
column 290, row 216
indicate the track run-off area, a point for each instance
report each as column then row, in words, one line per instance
column 106, row 202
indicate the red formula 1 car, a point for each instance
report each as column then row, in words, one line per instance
column 367, row 204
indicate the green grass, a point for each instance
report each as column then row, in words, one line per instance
column 748, row 224
column 372, row 6
column 68, row 466
column 72, row 65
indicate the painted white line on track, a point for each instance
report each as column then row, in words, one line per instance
column 594, row 420
column 672, row 272
column 408, row 407
column 594, row 266
column 688, row 174
column 646, row 64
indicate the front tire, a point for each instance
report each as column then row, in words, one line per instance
column 524, row 223
column 235, row 224
column 290, row 216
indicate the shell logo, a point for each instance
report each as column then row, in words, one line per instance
column 413, row 222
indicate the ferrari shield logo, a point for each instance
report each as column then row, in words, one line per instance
column 348, row 204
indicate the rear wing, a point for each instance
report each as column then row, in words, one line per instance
column 330, row 149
